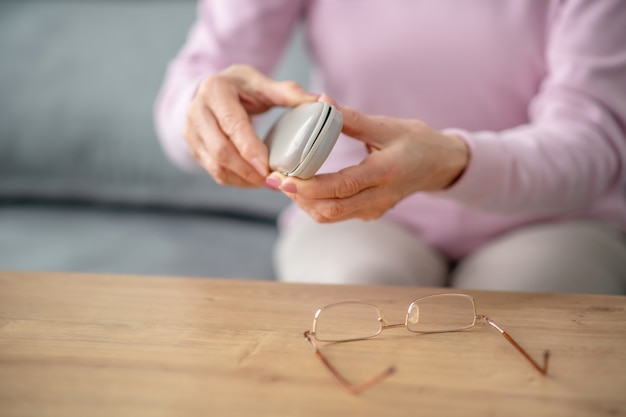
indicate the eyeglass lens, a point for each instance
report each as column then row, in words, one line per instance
column 441, row 313
column 347, row 321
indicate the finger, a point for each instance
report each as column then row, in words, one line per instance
column 256, row 86
column 287, row 93
column 371, row 172
column 225, row 152
column 327, row 99
column 215, row 149
column 334, row 210
column 195, row 144
column 335, row 185
column 220, row 173
column 233, row 120
column 373, row 130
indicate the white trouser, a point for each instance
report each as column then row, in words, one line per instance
column 575, row 257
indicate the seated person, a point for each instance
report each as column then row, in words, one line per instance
column 483, row 146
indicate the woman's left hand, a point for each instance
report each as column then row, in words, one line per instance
column 405, row 156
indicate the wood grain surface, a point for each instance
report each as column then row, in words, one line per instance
column 108, row 345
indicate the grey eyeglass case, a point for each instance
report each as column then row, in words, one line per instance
column 302, row 138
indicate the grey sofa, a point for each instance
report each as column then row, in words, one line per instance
column 84, row 184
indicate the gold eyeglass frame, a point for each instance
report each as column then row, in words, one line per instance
column 309, row 335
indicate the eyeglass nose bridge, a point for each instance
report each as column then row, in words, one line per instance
column 384, row 324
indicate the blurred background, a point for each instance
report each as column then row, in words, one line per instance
column 84, row 184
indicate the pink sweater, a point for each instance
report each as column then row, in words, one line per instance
column 536, row 88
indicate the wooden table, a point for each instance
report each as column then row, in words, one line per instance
column 105, row 345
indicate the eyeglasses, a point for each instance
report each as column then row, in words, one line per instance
column 353, row 320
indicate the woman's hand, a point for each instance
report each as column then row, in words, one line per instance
column 405, row 156
column 219, row 130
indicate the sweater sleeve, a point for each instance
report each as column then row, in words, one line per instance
column 573, row 150
column 225, row 32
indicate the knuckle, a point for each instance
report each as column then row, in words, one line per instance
column 332, row 210
column 231, row 124
column 213, row 87
column 318, row 217
column 219, row 174
column 238, row 74
column 220, row 179
column 221, row 152
column 207, row 85
column 381, row 204
column 354, row 118
column 349, row 186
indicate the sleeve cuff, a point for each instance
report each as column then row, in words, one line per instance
column 475, row 186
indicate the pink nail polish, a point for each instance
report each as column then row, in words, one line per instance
column 272, row 183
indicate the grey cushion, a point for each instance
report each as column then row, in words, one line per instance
column 77, row 84
column 90, row 239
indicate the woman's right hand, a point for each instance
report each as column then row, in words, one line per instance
column 219, row 131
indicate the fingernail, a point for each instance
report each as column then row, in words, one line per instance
column 289, row 188
column 325, row 97
column 259, row 166
column 272, row 183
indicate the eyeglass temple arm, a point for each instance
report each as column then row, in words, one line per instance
column 546, row 354
column 352, row 389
